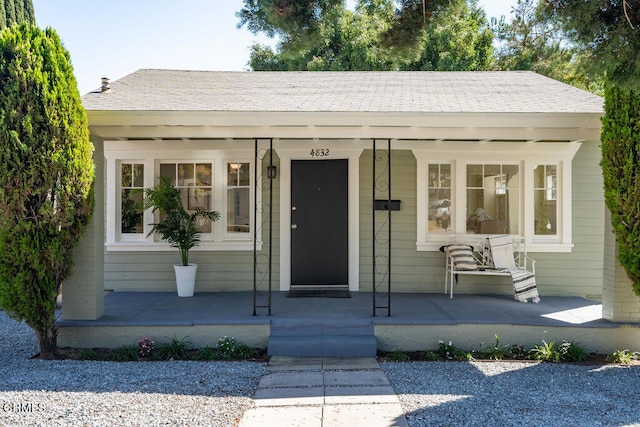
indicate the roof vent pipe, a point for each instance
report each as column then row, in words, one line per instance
column 106, row 85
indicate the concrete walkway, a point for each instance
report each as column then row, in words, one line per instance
column 324, row 392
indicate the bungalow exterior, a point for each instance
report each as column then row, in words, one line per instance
column 302, row 167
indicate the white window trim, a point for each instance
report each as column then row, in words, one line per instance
column 527, row 155
column 147, row 153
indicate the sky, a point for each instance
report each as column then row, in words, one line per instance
column 117, row 37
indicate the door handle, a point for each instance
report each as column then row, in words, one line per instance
column 294, row 226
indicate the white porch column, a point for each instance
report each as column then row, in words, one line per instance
column 83, row 291
column 619, row 302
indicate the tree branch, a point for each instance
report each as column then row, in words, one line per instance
column 626, row 15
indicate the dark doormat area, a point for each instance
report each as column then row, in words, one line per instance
column 319, row 293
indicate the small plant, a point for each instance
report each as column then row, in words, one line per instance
column 431, row 355
column 244, row 352
column 88, row 354
column 145, row 347
column 207, row 353
column 173, row 350
column 398, row 356
column 227, row 348
column 518, row 352
column 176, row 226
column 572, row 352
column 545, row 352
column 447, row 351
column 497, row 351
column 621, row 357
column 125, row 353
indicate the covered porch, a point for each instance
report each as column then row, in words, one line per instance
column 417, row 322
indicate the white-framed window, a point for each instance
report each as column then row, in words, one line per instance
column 238, row 198
column 439, row 200
column 492, row 198
column 545, row 183
column 219, row 180
column 130, row 200
column 495, row 188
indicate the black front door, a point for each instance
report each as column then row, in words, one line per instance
column 319, row 222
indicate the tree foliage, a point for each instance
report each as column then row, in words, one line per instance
column 16, row 12
column 621, row 170
column 46, row 176
column 609, row 32
column 534, row 39
column 454, row 38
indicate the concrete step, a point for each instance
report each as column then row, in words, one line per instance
column 322, row 338
column 322, row 345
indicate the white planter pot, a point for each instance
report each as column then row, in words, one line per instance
column 186, row 279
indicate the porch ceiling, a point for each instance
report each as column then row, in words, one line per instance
column 176, row 125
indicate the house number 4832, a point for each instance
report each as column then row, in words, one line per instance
column 319, row 152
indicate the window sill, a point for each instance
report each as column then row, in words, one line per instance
column 165, row 247
column 433, row 246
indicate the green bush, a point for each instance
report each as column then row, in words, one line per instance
column 621, row 172
column 572, row 352
column 46, row 176
column 175, row 349
column 125, row 353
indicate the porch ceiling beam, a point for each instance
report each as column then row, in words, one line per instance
column 342, row 119
column 313, row 132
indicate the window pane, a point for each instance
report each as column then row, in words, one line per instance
column 203, row 174
column 474, row 176
column 439, row 198
column 194, row 199
column 238, row 174
column 126, row 175
column 545, row 214
column 545, row 195
column 439, row 212
column 138, row 175
column 238, row 210
column 169, row 170
column 131, row 212
column 493, row 199
column 131, row 194
column 186, row 175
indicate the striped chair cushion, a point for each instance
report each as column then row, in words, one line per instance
column 462, row 257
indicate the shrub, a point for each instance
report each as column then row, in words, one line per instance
column 125, row 353
column 545, row 352
column 175, row 349
column 398, row 356
column 621, row 357
column 46, row 176
column 88, row 354
column 572, row 352
column 621, row 171
column 496, row 351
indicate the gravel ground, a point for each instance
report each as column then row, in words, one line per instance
column 83, row 393
column 516, row 393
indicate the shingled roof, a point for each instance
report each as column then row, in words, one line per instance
column 410, row 92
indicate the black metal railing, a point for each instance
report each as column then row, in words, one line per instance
column 382, row 207
column 263, row 226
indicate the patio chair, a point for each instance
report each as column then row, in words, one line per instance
column 502, row 256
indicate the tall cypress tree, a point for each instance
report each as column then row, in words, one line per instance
column 621, row 171
column 46, row 176
column 16, row 12
column 610, row 32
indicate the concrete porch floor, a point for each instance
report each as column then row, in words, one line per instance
column 418, row 321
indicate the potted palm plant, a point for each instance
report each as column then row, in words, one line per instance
column 177, row 227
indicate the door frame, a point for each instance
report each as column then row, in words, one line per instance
column 301, row 150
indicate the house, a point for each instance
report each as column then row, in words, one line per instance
column 315, row 157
